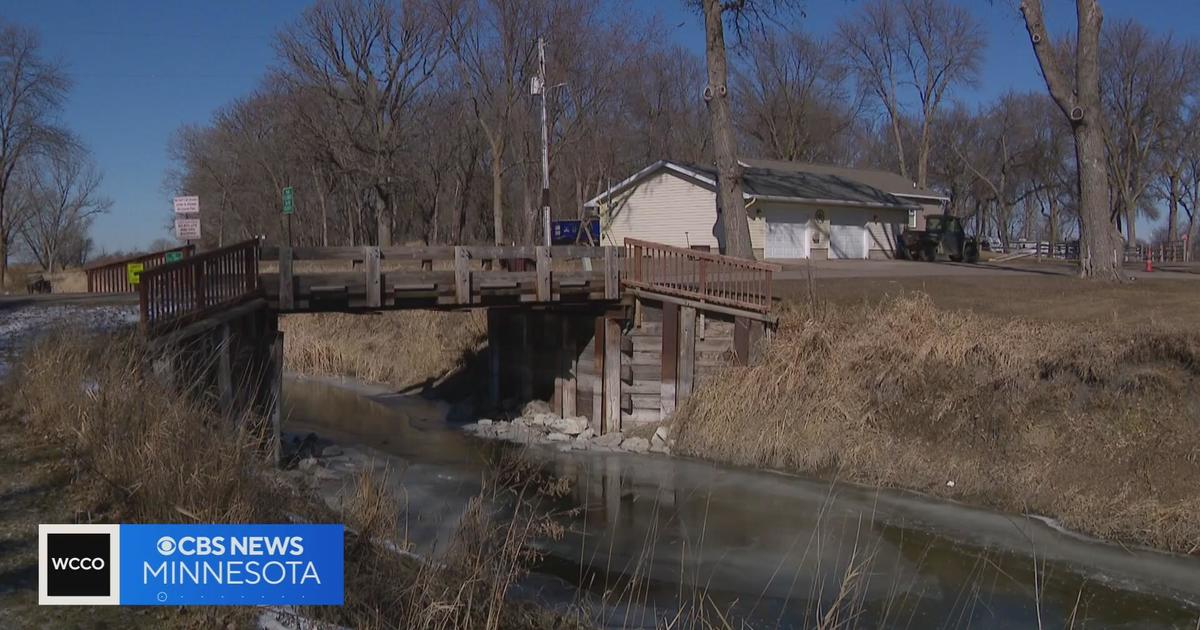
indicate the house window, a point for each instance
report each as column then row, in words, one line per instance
column 912, row 219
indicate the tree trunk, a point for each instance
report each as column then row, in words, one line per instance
column 1130, row 227
column 497, row 194
column 731, row 207
column 3, row 261
column 1053, row 228
column 1078, row 96
column 1173, row 208
column 1100, row 247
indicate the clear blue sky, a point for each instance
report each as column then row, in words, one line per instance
column 143, row 68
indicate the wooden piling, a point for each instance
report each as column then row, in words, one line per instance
column 287, row 299
column 568, row 368
column 462, row 276
column 225, row 369
column 495, row 330
column 612, row 375
column 686, row 368
column 374, row 285
column 670, row 358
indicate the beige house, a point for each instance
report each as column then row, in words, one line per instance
column 794, row 212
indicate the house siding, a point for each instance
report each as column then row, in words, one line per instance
column 664, row 208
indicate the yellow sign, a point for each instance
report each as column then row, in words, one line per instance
column 133, row 272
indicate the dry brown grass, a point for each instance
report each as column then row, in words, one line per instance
column 134, row 450
column 399, row 348
column 1093, row 423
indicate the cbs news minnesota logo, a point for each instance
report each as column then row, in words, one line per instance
column 170, row 565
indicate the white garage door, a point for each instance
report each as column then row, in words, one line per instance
column 787, row 234
column 847, row 234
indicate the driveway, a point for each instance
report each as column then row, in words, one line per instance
column 820, row 269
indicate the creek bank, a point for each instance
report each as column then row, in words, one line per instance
column 537, row 425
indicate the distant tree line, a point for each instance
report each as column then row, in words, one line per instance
column 49, row 187
column 413, row 121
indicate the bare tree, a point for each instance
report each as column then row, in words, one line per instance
column 1143, row 82
column 369, row 61
column 925, row 46
column 64, row 193
column 1077, row 94
column 32, row 90
column 794, row 103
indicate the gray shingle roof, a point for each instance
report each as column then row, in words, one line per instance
column 886, row 181
column 815, row 187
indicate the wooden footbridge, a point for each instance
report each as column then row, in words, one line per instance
column 618, row 334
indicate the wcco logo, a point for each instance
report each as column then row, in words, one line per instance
column 78, row 564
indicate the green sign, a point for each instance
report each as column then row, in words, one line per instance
column 133, row 272
column 173, row 257
column 289, row 201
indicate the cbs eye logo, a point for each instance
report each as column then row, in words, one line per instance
column 77, row 564
column 165, row 545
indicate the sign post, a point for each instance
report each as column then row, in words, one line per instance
column 289, row 207
column 187, row 218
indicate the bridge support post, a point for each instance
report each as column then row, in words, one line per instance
column 494, row 332
column 687, row 354
column 568, row 367
column 275, row 381
column 527, row 355
column 225, row 370
column 612, row 374
column 670, row 358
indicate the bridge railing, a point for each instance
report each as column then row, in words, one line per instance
column 178, row 293
column 309, row 278
column 113, row 277
column 701, row 276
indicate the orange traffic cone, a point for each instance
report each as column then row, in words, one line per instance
column 1149, row 264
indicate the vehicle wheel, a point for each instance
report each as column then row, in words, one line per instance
column 971, row 254
column 930, row 254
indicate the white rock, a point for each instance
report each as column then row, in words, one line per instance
column 484, row 422
column 950, row 484
column 585, row 435
column 609, row 439
column 558, row 437
column 570, row 426
column 660, row 435
column 635, row 445
column 333, row 450
column 535, row 407
column 545, row 419
column 326, row 474
column 307, row 464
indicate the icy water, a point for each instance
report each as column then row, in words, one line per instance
column 654, row 535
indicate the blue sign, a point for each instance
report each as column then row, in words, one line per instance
column 231, row 565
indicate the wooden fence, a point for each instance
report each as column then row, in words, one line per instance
column 113, row 277
column 1169, row 251
column 701, row 276
column 178, row 293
